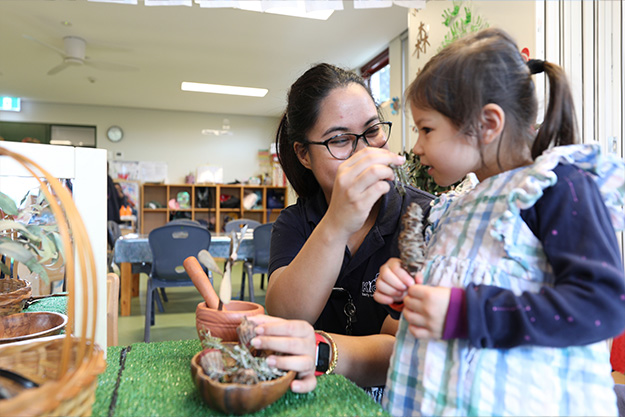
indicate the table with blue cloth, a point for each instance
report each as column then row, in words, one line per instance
column 135, row 250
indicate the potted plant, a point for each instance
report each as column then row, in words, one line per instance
column 28, row 235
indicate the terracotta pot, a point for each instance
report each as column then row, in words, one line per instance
column 224, row 323
column 238, row 399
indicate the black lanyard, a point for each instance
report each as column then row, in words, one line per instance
column 349, row 309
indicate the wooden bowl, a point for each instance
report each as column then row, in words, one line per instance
column 238, row 399
column 24, row 326
column 224, row 323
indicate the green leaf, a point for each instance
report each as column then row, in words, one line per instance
column 20, row 253
column 20, row 228
column 48, row 250
column 59, row 243
column 8, row 205
column 5, row 269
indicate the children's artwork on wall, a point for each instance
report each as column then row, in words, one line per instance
column 395, row 105
column 459, row 25
column 125, row 170
column 422, row 40
column 155, row 172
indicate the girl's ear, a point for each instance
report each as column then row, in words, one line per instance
column 492, row 122
column 301, row 151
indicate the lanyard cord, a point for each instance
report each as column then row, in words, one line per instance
column 349, row 309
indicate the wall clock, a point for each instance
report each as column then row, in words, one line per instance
column 114, row 133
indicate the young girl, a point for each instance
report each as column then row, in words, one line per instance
column 523, row 278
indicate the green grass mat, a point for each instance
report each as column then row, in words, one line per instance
column 156, row 381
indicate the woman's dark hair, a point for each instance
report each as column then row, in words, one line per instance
column 302, row 111
column 487, row 67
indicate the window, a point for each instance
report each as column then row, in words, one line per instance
column 377, row 73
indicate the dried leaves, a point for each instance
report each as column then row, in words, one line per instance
column 236, row 363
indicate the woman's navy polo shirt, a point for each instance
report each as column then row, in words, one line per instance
column 359, row 271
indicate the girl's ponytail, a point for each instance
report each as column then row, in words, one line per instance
column 559, row 126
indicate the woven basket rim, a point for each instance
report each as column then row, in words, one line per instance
column 77, row 359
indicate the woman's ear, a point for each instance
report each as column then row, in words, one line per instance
column 492, row 122
column 301, row 151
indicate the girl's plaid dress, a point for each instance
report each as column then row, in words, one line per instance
column 478, row 236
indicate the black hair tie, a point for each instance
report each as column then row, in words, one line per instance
column 536, row 66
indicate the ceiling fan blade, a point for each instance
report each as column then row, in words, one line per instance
column 109, row 66
column 54, row 48
column 58, row 68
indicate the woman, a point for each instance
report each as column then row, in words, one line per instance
column 326, row 250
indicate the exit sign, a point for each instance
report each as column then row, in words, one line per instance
column 10, row 103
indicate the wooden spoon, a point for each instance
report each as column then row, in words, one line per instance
column 201, row 281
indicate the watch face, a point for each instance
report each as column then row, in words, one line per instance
column 323, row 357
column 114, row 133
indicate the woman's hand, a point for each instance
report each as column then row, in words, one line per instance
column 296, row 340
column 359, row 183
column 425, row 309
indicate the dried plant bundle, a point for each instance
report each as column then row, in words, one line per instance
column 411, row 243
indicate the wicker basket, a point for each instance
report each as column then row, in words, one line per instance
column 66, row 367
column 13, row 295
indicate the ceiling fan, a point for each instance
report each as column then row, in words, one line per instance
column 74, row 55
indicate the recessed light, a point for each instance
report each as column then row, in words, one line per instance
column 223, row 89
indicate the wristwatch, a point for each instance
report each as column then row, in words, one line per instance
column 322, row 361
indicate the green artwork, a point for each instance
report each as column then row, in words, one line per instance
column 460, row 25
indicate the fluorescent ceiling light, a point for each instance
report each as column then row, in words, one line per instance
column 316, row 14
column 223, row 89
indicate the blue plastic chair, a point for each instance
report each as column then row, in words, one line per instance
column 171, row 244
column 260, row 264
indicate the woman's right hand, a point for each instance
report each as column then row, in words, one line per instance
column 295, row 339
column 392, row 283
column 359, row 183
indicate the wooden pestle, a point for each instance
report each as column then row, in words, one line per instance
column 201, row 281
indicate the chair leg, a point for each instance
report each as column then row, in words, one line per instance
column 247, row 270
column 157, row 298
column 250, row 281
column 242, row 292
column 148, row 312
column 163, row 294
column 262, row 282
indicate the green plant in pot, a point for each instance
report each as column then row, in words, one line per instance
column 416, row 174
column 29, row 234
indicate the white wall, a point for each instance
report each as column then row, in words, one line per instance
column 518, row 18
column 166, row 136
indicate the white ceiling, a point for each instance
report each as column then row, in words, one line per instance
column 169, row 45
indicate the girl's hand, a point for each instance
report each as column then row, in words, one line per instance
column 425, row 309
column 359, row 183
column 295, row 339
column 392, row 283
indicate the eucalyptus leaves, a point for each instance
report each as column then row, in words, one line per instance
column 25, row 241
column 236, row 363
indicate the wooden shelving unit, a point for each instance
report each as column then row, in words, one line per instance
column 205, row 203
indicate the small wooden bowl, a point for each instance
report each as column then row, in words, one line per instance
column 224, row 323
column 238, row 399
column 24, row 326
